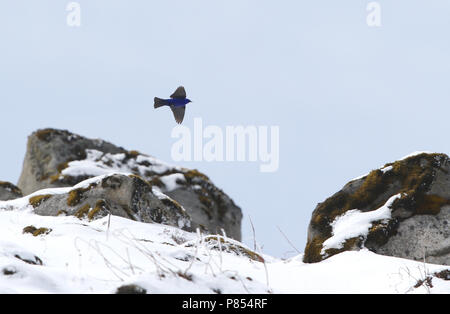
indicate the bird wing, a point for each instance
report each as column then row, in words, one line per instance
column 178, row 113
column 179, row 93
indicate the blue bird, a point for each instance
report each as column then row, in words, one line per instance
column 177, row 103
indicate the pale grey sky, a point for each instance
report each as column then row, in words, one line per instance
column 347, row 97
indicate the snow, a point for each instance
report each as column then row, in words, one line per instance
column 354, row 272
column 171, row 181
column 24, row 204
column 81, row 256
column 98, row 163
column 354, row 223
column 158, row 165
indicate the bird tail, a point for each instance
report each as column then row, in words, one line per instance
column 159, row 102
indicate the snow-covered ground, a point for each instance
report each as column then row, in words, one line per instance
column 78, row 256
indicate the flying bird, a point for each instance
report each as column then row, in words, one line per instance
column 177, row 103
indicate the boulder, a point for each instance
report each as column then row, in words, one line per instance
column 9, row 191
column 401, row 209
column 49, row 151
column 59, row 158
column 131, row 289
column 207, row 205
column 127, row 196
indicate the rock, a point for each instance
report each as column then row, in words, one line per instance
column 131, row 289
column 9, row 191
column 48, row 153
column 58, row 158
column 415, row 194
column 9, row 270
column 207, row 205
column 36, row 231
column 127, row 196
column 33, row 260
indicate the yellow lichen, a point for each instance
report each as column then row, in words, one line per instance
column 76, row 195
column 82, row 211
column 36, row 231
column 100, row 205
column 132, row 154
column 410, row 177
column 37, row 200
column 41, row 231
column 194, row 173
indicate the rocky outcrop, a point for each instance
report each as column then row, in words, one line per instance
column 205, row 203
column 49, row 151
column 402, row 209
column 9, row 191
column 58, row 158
column 127, row 196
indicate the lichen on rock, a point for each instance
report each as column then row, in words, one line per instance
column 9, row 191
column 37, row 200
column 117, row 194
column 422, row 180
column 36, row 231
column 59, row 158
